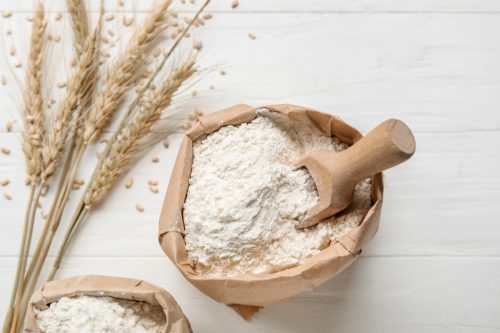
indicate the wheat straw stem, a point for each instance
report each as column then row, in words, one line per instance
column 15, row 289
column 80, row 23
column 121, row 74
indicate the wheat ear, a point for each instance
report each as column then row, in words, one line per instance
column 33, row 110
column 125, row 147
column 121, row 74
column 80, row 23
column 77, row 88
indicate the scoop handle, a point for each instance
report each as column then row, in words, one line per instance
column 387, row 145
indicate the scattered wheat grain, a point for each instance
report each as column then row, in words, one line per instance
column 155, row 159
column 197, row 44
column 6, row 13
column 166, row 143
column 12, row 50
column 152, row 182
column 129, row 183
column 207, row 16
column 251, row 35
column 7, row 196
column 153, row 189
column 5, row 150
column 121, row 3
column 128, row 21
column 139, row 207
column 61, row 85
column 222, row 72
column 8, row 126
column 58, row 16
column 4, row 182
column 29, row 18
column 110, row 17
column 234, row 4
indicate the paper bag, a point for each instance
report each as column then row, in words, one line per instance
column 97, row 285
column 247, row 293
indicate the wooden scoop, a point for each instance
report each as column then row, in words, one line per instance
column 336, row 174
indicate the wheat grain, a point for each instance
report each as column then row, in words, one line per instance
column 153, row 189
column 251, row 35
column 12, row 50
column 7, row 196
column 4, row 182
column 58, row 16
column 197, row 44
column 8, row 126
column 80, row 23
column 122, row 72
column 166, row 143
column 110, row 17
column 155, row 159
column 139, row 207
column 128, row 21
column 234, row 3
column 6, row 13
column 5, row 150
column 152, row 182
column 222, row 72
column 129, row 183
column 33, row 113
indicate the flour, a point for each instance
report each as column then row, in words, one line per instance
column 244, row 198
column 89, row 314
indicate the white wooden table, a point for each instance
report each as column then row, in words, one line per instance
column 434, row 266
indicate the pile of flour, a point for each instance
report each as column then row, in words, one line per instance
column 100, row 314
column 244, row 198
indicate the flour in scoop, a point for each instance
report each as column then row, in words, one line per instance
column 244, row 198
column 100, row 314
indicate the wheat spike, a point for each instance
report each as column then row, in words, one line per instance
column 80, row 23
column 76, row 97
column 127, row 143
column 33, row 109
column 121, row 74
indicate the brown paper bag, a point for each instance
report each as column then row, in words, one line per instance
column 246, row 294
column 97, row 285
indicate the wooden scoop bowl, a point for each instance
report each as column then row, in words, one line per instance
column 337, row 174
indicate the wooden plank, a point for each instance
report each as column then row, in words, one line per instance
column 437, row 72
column 418, row 6
column 434, row 295
column 433, row 204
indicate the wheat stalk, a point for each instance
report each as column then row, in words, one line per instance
column 121, row 74
column 80, row 23
column 33, row 135
column 125, row 147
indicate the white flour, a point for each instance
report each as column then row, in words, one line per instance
column 244, row 198
column 89, row 314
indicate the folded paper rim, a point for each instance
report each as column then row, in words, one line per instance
column 116, row 287
column 247, row 293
